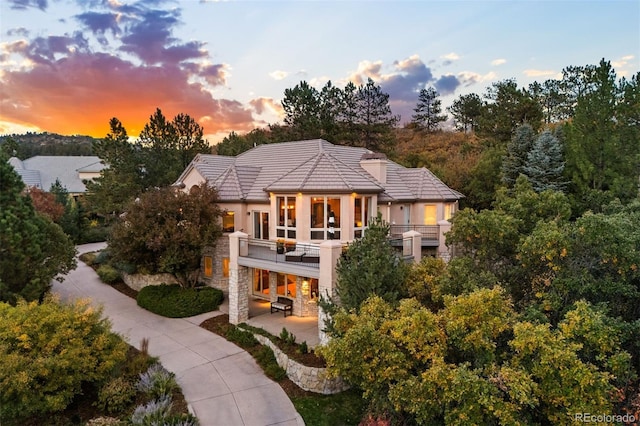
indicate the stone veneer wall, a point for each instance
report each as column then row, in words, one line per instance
column 138, row 281
column 217, row 253
column 312, row 379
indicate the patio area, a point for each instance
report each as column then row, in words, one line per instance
column 304, row 328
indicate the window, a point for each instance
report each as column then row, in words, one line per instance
column 228, row 222
column 361, row 215
column 225, row 267
column 261, row 281
column 286, row 217
column 449, row 210
column 430, row 214
column 286, row 284
column 325, row 218
column 208, row 266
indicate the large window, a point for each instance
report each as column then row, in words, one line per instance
column 325, row 218
column 261, row 281
column 361, row 215
column 430, row 214
column 208, row 266
column 286, row 217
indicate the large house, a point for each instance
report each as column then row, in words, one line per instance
column 291, row 207
column 42, row 171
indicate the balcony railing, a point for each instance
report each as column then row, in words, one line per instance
column 289, row 252
column 429, row 232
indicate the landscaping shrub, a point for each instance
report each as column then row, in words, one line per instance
column 267, row 360
column 174, row 301
column 48, row 351
column 116, row 395
column 103, row 257
column 89, row 258
column 108, row 274
column 243, row 338
column 157, row 381
column 154, row 412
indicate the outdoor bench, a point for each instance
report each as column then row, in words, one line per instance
column 283, row 304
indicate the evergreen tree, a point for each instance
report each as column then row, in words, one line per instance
column 370, row 266
column 428, row 110
column 545, row 163
column 33, row 249
column 190, row 140
column 159, row 140
column 466, row 111
column 374, row 118
column 517, row 154
column 302, row 108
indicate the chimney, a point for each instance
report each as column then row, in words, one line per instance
column 376, row 165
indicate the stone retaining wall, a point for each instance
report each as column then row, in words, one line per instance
column 312, row 379
column 138, row 281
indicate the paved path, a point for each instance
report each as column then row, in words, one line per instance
column 221, row 382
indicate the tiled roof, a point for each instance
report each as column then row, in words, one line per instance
column 43, row 171
column 312, row 166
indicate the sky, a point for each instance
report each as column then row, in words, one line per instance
column 69, row 66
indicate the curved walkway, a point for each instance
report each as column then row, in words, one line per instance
column 221, row 382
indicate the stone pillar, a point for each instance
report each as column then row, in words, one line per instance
column 238, row 279
column 412, row 244
column 444, row 226
column 330, row 252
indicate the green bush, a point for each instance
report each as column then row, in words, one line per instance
column 89, row 258
column 103, row 257
column 242, row 338
column 108, row 274
column 157, row 381
column 267, row 360
column 116, row 395
column 174, row 301
column 48, row 351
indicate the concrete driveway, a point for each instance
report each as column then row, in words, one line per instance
column 221, row 382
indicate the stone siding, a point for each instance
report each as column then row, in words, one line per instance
column 311, row 379
column 217, row 253
column 138, row 281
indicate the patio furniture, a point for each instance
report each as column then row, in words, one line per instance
column 283, row 304
column 301, row 256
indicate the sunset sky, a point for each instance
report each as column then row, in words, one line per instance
column 68, row 66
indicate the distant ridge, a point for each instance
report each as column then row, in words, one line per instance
column 30, row 144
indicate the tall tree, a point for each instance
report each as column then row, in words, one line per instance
column 545, row 163
column 466, row 111
column 428, row 110
column 190, row 139
column 600, row 160
column 374, row 117
column 517, row 156
column 121, row 180
column 302, row 108
column 159, row 139
column 33, row 249
column 506, row 107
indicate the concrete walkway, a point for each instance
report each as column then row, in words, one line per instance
column 221, row 382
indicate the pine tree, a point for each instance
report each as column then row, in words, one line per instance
column 517, row 154
column 33, row 249
column 374, row 118
column 428, row 110
column 545, row 164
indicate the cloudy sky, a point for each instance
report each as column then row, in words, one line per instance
column 68, row 66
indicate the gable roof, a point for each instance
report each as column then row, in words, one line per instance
column 312, row 166
column 42, row 171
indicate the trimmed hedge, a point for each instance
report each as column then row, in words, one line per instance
column 173, row 301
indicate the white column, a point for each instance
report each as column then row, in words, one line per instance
column 330, row 252
column 414, row 241
column 444, row 226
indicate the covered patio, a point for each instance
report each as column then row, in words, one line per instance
column 304, row 328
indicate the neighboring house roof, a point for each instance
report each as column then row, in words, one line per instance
column 43, row 171
column 312, row 166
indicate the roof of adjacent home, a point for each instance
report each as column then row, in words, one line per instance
column 42, row 171
column 313, row 166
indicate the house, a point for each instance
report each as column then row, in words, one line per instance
column 291, row 207
column 42, row 171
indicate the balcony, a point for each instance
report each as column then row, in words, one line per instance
column 286, row 253
column 429, row 233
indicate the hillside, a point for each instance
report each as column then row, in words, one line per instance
column 31, row 144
